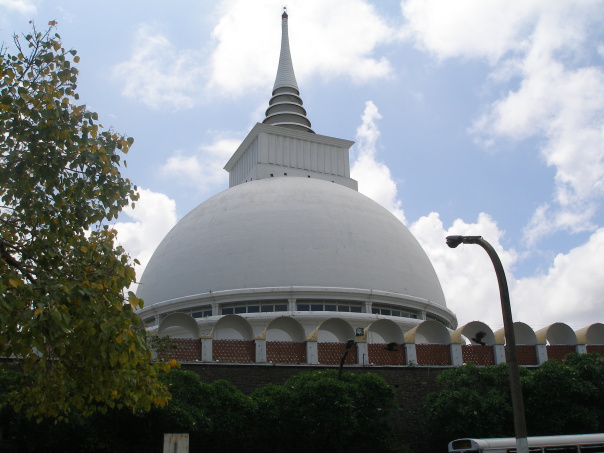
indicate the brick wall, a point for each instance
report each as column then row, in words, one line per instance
column 478, row 354
column 526, row 354
column 285, row 352
column 557, row 352
column 599, row 348
column 183, row 350
column 379, row 354
column 241, row 351
column 433, row 354
column 331, row 353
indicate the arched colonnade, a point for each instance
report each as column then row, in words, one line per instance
column 234, row 339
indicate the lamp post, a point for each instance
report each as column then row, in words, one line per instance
column 510, row 339
column 349, row 344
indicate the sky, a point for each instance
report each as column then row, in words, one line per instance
column 472, row 117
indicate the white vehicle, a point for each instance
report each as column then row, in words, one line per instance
column 592, row 443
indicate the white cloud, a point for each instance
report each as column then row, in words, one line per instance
column 560, row 96
column 153, row 216
column 330, row 39
column 498, row 28
column 547, row 219
column 204, row 170
column 566, row 107
column 374, row 177
column 25, row 7
column 466, row 273
column 468, row 28
column 237, row 63
column 571, row 291
column 158, row 74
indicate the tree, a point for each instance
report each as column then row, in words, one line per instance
column 316, row 411
column 590, row 369
column 566, row 397
column 65, row 315
column 559, row 398
column 473, row 402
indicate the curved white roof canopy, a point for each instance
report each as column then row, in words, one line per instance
column 289, row 232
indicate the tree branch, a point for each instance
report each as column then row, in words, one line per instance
column 11, row 261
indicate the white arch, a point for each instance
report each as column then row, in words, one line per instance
column 428, row 332
column 523, row 334
column 178, row 322
column 284, row 328
column 557, row 334
column 335, row 330
column 592, row 334
column 232, row 327
column 384, row 331
column 472, row 331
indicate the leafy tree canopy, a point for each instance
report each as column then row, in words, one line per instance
column 473, row 402
column 313, row 411
column 559, row 398
column 65, row 315
column 317, row 411
column 566, row 397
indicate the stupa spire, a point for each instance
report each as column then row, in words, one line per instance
column 285, row 72
column 285, row 106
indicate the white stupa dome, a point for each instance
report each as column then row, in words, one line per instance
column 289, row 231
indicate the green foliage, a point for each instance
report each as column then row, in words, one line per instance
column 212, row 413
column 566, row 397
column 161, row 345
column 63, row 313
column 472, row 400
column 185, row 413
column 559, row 398
column 316, row 411
column 590, row 368
column 311, row 412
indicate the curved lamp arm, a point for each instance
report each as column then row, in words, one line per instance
column 510, row 338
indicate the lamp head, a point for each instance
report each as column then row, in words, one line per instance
column 454, row 241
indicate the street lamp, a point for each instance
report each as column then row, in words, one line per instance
column 349, row 344
column 510, row 339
